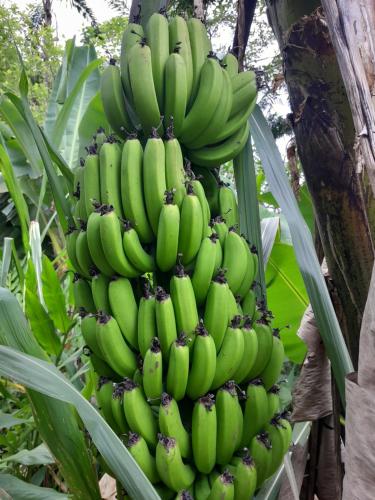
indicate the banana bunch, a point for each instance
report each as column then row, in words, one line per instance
column 185, row 358
column 169, row 77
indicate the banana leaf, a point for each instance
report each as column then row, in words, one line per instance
column 304, row 248
column 20, row 490
column 56, row 420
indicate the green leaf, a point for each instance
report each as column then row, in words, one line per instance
column 277, row 179
column 56, row 421
column 16, row 193
column 6, row 260
column 93, row 118
column 244, row 171
column 287, row 298
column 14, row 118
column 45, row 378
column 7, row 420
column 41, row 324
column 20, row 490
column 306, row 207
column 37, row 456
column 56, row 182
column 54, row 297
column 65, row 135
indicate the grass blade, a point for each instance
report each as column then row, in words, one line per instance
column 45, row 378
column 329, row 327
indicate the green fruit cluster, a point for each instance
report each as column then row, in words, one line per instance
column 168, row 75
column 185, row 358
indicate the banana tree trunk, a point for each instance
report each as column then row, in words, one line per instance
column 325, row 135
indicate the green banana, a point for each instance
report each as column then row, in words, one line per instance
column 135, row 406
column 272, row 371
column 220, row 227
column 250, row 352
column 200, row 48
column 95, row 244
column 202, row 487
column 82, row 251
column 228, row 205
column 275, row 434
column 211, row 156
column 249, row 274
column 173, row 472
column 153, row 371
column 216, row 309
column 249, row 303
column 244, row 91
column 154, row 180
column 178, row 368
column 117, row 407
column 168, row 231
column 146, row 320
column 245, row 477
column 124, row 308
column 99, row 288
column 204, row 267
column 99, row 138
column 235, row 260
column 132, row 35
column 261, row 452
column 91, row 180
column 179, row 37
column 88, row 330
column 113, row 347
column 143, row 87
column 134, row 250
column 113, row 100
column 219, row 118
column 230, row 63
column 232, row 306
column 133, row 201
column 227, row 412
column 71, row 239
column 184, row 495
column 223, row 487
column 103, row 393
column 185, row 307
column 230, row 353
column 203, row 366
column 174, row 168
column 204, row 433
column 176, row 92
column 79, row 190
column 190, row 236
column 218, row 256
column 158, row 40
column 286, row 430
column 236, row 122
column 265, row 343
column 82, row 294
column 210, row 185
column 111, row 240
column 214, row 474
column 110, row 175
column 273, row 401
column 100, row 367
column 171, row 425
column 199, row 191
column 138, row 449
column 165, row 321
column 256, row 411
column 211, row 83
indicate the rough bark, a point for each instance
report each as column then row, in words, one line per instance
column 352, row 27
column 326, row 140
column 245, row 15
column 47, row 7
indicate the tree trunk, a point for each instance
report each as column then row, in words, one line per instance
column 47, row 7
column 245, row 14
column 325, row 137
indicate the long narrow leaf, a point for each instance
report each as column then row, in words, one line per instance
column 329, row 327
column 269, row 227
column 244, row 171
column 18, row 489
column 45, row 378
column 56, row 420
column 62, row 205
column 59, row 161
column 5, row 263
column 14, row 189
